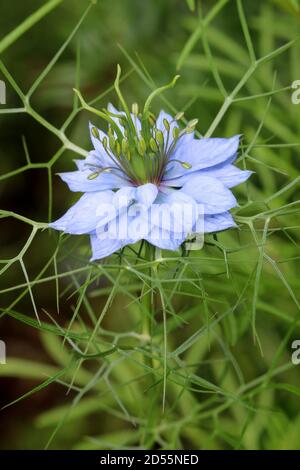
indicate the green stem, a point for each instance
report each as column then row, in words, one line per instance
column 148, row 437
column 147, row 299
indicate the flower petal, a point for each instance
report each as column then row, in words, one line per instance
column 101, row 248
column 79, row 181
column 124, row 197
column 160, row 125
column 129, row 211
column 146, row 194
column 95, row 140
column 120, row 231
column 164, row 239
column 134, row 118
column 129, row 226
column 229, row 175
column 160, row 120
column 217, row 222
column 95, row 161
column 210, row 192
column 84, row 215
column 114, row 110
column 174, row 211
column 201, row 153
column 128, row 195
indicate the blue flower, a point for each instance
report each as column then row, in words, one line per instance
column 139, row 171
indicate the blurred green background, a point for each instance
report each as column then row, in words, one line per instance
column 234, row 312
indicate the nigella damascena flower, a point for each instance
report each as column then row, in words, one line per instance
column 139, row 171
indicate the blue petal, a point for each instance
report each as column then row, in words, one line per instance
column 80, row 163
column 100, row 153
column 174, row 212
column 132, row 206
column 209, row 192
column 160, row 126
column 217, row 222
column 124, row 197
column 95, row 160
column 119, row 232
column 146, row 194
column 128, row 212
column 90, row 162
column 164, row 239
column 84, row 215
column 97, row 142
column 138, row 223
column 229, row 175
column 101, row 248
column 114, row 110
column 130, row 226
column 201, row 153
column 160, row 120
column 79, row 181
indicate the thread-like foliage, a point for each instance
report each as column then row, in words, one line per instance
column 183, row 350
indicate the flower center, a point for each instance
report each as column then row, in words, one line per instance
column 140, row 148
